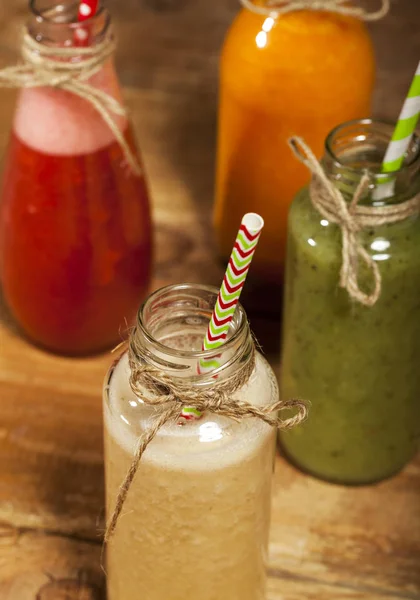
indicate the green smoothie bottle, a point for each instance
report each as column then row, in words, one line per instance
column 355, row 353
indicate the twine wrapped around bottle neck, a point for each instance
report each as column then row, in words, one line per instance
column 352, row 219
column 172, row 395
column 70, row 69
column 276, row 8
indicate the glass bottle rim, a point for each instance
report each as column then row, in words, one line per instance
column 241, row 331
column 379, row 123
column 43, row 19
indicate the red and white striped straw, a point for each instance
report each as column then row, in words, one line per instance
column 234, row 280
column 87, row 10
column 228, row 298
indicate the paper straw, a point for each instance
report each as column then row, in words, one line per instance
column 87, row 10
column 401, row 138
column 233, row 282
column 229, row 294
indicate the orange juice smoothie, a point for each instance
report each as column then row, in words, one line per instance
column 299, row 74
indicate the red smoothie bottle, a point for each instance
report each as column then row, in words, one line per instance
column 75, row 229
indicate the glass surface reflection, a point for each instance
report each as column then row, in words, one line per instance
column 210, row 432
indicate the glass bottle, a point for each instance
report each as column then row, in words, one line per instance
column 196, row 519
column 358, row 365
column 75, row 231
column 299, row 74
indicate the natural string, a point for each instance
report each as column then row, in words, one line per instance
column 70, row 69
column 352, row 219
column 276, row 8
column 172, row 395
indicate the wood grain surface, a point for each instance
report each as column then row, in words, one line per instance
column 327, row 542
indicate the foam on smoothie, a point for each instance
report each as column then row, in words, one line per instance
column 55, row 122
column 206, row 443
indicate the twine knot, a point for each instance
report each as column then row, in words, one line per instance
column 352, row 219
column 276, row 8
column 171, row 395
column 70, row 69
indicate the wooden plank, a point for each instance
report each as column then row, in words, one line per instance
column 51, row 567
column 51, row 457
column 285, row 586
column 367, row 536
column 48, row 567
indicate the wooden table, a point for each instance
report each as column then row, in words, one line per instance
column 328, row 542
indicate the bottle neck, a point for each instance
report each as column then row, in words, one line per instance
column 56, row 24
column 358, row 147
column 170, row 330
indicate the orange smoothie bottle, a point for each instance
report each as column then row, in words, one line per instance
column 300, row 73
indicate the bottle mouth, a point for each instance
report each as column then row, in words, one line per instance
column 57, row 24
column 361, row 145
column 189, row 306
column 61, row 13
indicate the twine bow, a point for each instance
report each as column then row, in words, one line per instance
column 156, row 388
column 352, row 219
column 276, row 8
column 70, row 69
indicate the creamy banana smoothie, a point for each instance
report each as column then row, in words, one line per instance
column 196, row 519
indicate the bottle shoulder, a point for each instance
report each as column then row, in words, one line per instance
column 301, row 32
column 126, row 418
column 268, row 62
column 315, row 235
column 67, row 125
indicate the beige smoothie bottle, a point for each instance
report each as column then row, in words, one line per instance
column 195, row 523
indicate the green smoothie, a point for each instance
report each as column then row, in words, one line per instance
column 359, row 366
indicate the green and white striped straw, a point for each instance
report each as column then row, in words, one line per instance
column 400, row 141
